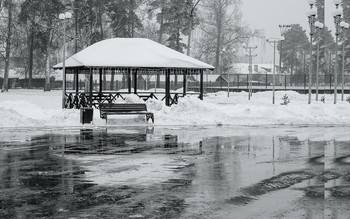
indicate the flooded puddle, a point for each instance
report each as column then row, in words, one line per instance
column 182, row 172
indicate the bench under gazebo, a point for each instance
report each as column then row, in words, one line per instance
column 129, row 59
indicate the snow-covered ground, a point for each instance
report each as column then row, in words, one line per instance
column 35, row 108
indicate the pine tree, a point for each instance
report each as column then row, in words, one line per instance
column 176, row 21
column 124, row 21
column 41, row 17
column 295, row 43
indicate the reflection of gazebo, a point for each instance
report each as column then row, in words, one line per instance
column 130, row 57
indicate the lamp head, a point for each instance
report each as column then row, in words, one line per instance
column 344, row 25
column 311, row 12
column 338, row 12
column 311, row 2
column 319, row 25
column 68, row 15
column 61, row 16
column 337, row 2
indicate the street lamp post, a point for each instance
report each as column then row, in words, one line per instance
column 274, row 41
column 283, row 29
column 190, row 28
column 343, row 26
column 64, row 16
column 337, row 14
column 318, row 26
column 311, row 14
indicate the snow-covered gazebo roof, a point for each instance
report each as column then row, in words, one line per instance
column 132, row 53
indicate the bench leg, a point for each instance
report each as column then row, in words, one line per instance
column 150, row 116
column 104, row 116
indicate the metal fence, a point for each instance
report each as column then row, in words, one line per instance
column 300, row 83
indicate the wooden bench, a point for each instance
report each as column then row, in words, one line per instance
column 124, row 109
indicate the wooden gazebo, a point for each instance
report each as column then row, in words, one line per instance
column 129, row 57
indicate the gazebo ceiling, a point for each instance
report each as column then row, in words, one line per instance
column 132, row 53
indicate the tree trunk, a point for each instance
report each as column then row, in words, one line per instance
column 8, row 48
column 101, row 21
column 218, row 38
column 48, row 62
column 31, row 57
column 161, row 23
column 292, row 66
column 132, row 18
column 217, row 51
column 75, row 13
column 47, row 70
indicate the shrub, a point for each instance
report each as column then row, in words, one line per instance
column 348, row 99
column 285, row 99
column 323, row 99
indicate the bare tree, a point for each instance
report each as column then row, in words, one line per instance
column 220, row 20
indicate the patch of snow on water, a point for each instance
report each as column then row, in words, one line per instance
column 140, row 169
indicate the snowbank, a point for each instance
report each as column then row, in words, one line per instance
column 28, row 108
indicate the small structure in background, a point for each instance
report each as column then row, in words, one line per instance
column 16, row 71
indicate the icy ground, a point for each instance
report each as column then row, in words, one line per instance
column 35, row 108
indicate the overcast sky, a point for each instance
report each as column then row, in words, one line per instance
column 268, row 14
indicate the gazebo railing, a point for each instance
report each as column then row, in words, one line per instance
column 82, row 99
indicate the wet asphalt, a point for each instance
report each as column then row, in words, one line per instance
column 225, row 172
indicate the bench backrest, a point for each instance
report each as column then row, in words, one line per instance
column 123, row 107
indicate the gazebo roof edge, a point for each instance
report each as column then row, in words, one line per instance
column 132, row 53
column 132, row 67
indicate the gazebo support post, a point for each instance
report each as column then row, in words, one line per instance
column 201, row 86
column 135, row 81
column 101, row 83
column 167, row 87
column 76, row 76
column 184, row 81
column 112, row 79
column 77, row 81
column 175, row 81
column 158, row 81
column 104, row 79
column 129, row 80
column 91, row 85
column 64, row 88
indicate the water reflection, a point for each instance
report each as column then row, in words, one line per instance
column 40, row 178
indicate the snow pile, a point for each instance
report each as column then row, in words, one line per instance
column 27, row 108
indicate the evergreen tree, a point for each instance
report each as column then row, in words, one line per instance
column 344, row 38
column 295, row 47
column 41, row 19
column 124, row 20
column 176, row 17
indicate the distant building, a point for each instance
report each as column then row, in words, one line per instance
column 257, row 68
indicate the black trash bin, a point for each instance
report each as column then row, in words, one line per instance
column 86, row 115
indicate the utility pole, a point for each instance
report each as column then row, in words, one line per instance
column 274, row 41
column 250, row 59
